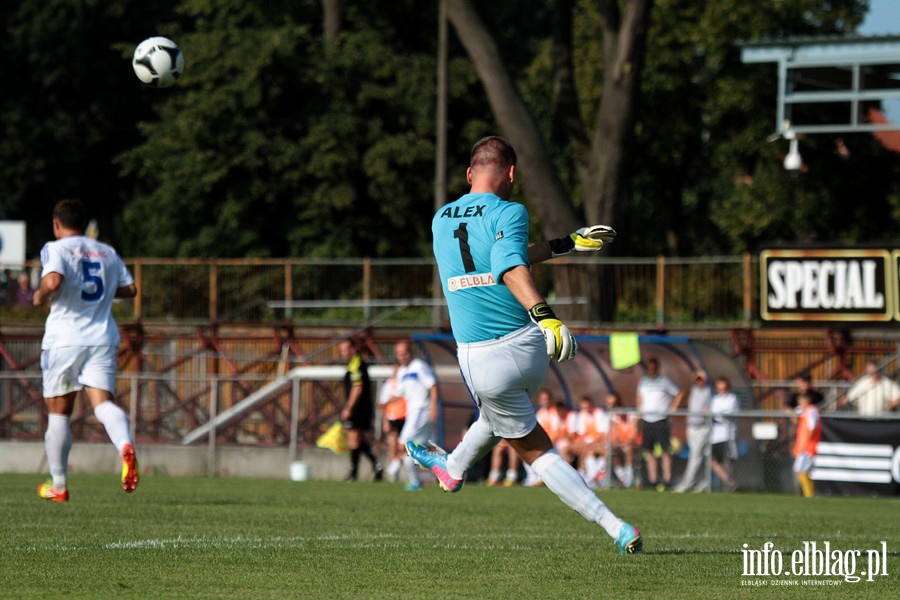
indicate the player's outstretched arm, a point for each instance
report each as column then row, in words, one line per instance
column 585, row 239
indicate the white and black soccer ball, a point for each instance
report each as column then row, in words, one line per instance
column 158, row 62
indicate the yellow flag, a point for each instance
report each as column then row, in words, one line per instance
column 335, row 439
column 624, row 350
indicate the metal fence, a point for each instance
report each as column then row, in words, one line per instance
column 649, row 292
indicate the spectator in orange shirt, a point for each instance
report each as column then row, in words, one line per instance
column 393, row 407
column 588, row 428
column 622, row 436
column 809, row 432
column 552, row 416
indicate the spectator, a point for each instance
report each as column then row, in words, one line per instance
column 24, row 292
column 588, row 428
column 393, row 406
column 723, row 435
column 504, row 450
column 803, row 384
column 622, row 434
column 697, row 435
column 552, row 416
column 657, row 395
column 809, row 432
column 872, row 394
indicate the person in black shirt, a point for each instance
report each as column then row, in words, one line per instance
column 358, row 412
column 803, row 382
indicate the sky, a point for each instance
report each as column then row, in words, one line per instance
column 883, row 18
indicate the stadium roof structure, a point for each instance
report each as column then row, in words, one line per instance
column 589, row 373
column 831, row 84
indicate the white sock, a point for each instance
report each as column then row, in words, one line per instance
column 512, row 475
column 531, row 478
column 477, row 442
column 494, row 476
column 57, row 443
column 394, row 467
column 565, row 482
column 412, row 470
column 115, row 421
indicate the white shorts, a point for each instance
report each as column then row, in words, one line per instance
column 70, row 368
column 417, row 427
column 502, row 375
column 803, row 463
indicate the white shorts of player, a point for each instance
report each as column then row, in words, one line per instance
column 803, row 463
column 502, row 375
column 417, row 427
column 70, row 368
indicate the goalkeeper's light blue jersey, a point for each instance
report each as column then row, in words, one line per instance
column 477, row 239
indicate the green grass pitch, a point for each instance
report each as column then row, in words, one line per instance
column 264, row 538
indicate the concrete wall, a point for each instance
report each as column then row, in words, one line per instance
column 227, row 461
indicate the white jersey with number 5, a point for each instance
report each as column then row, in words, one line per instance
column 81, row 309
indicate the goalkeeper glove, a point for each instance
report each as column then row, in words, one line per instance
column 561, row 344
column 586, row 239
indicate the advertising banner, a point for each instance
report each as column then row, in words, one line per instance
column 828, row 285
column 858, row 457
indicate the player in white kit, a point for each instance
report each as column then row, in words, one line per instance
column 80, row 277
column 415, row 382
column 505, row 331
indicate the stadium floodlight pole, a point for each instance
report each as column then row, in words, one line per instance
column 440, row 162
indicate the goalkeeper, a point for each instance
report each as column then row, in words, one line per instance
column 506, row 332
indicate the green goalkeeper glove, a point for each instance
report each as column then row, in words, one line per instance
column 586, row 239
column 561, row 344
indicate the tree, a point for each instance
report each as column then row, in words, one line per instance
column 276, row 147
column 69, row 105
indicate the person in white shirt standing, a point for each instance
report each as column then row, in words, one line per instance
column 657, row 395
column 723, row 436
column 697, row 434
column 80, row 277
column 417, row 383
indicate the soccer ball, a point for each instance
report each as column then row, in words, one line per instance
column 158, row 62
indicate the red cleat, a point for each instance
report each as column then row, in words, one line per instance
column 130, row 474
column 46, row 491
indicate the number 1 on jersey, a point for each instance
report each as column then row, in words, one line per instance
column 462, row 234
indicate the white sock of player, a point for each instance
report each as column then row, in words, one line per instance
column 512, row 475
column 412, row 471
column 565, row 482
column 477, row 442
column 394, row 467
column 115, row 421
column 57, row 443
column 531, row 478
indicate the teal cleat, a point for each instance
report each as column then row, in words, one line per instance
column 630, row 540
column 436, row 463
